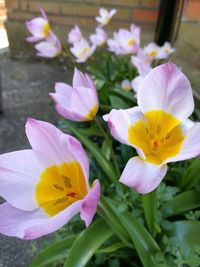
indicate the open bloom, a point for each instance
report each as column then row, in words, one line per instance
column 153, row 51
column 125, row 41
column 99, row 38
column 44, row 187
column 158, row 128
column 82, row 50
column 39, row 28
column 105, row 16
column 75, row 35
column 167, row 50
column 49, row 48
column 79, row 102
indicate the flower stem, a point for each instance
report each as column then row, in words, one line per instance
column 109, row 144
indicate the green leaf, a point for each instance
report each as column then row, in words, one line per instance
column 191, row 175
column 53, row 252
column 126, row 96
column 87, row 243
column 111, row 217
column 182, row 202
column 105, row 164
column 142, row 240
column 187, row 231
column 105, row 150
column 117, row 102
column 112, row 248
column 150, row 210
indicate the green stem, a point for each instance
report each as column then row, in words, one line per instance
column 109, row 144
column 150, row 210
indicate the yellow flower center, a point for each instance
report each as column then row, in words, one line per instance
column 153, row 53
column 131, row 42
column 60, row 186
column 159, row 136
column 83, row 51
column 46, row 29
column 91, row 114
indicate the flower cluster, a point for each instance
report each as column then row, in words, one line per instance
column 49, row 45
column 44, row 187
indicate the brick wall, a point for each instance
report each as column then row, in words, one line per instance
column 82, row 12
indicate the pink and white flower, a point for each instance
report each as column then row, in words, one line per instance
column 82, row 50
column 158, row 128
column 126, row 85
column 39, row 28
column 99, row 38
column 78, row 102
column 75, row 35
column 44, row 187
column 105, row 16
column 142, row 64
column 125, row 41
column 167, row 50
column 49, row 48
column 153, row 51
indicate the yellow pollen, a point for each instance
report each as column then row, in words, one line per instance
column 131, row 42
column 91, row 114
column 60, row 186
column 153, row 53
column 159, row 136
column 83, row 51
column 46, row 29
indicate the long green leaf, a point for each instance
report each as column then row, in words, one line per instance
column 112, row 248
column 150, row 210
column 183, row 202
column 87, row 243
column 191, row 175
column 147, row 248
column 53, row 252
column 109, row 215
column 105, row 164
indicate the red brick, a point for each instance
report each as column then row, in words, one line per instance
column 193, row 10
column 17, row 15
column 79, row 9
column 120, row 2
column 23, row 5
column 145, row 15
column 70, row 21
column 49, row 7
column 12, row 4
column 150, row 3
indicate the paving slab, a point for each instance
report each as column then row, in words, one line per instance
column 25, row 87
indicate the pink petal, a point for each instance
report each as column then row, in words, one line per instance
column 33, row 224
column 166, row 88
column 45, row 137
column 142, row 176
column 79, row 79
column 191, row 145
column 47, row 50
column 33, row 39
column 67, row 113
column 63, row 89
column 19, row 173
column 89, row 204
column 36, row 26
column 83, row 101
column 119, row 122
